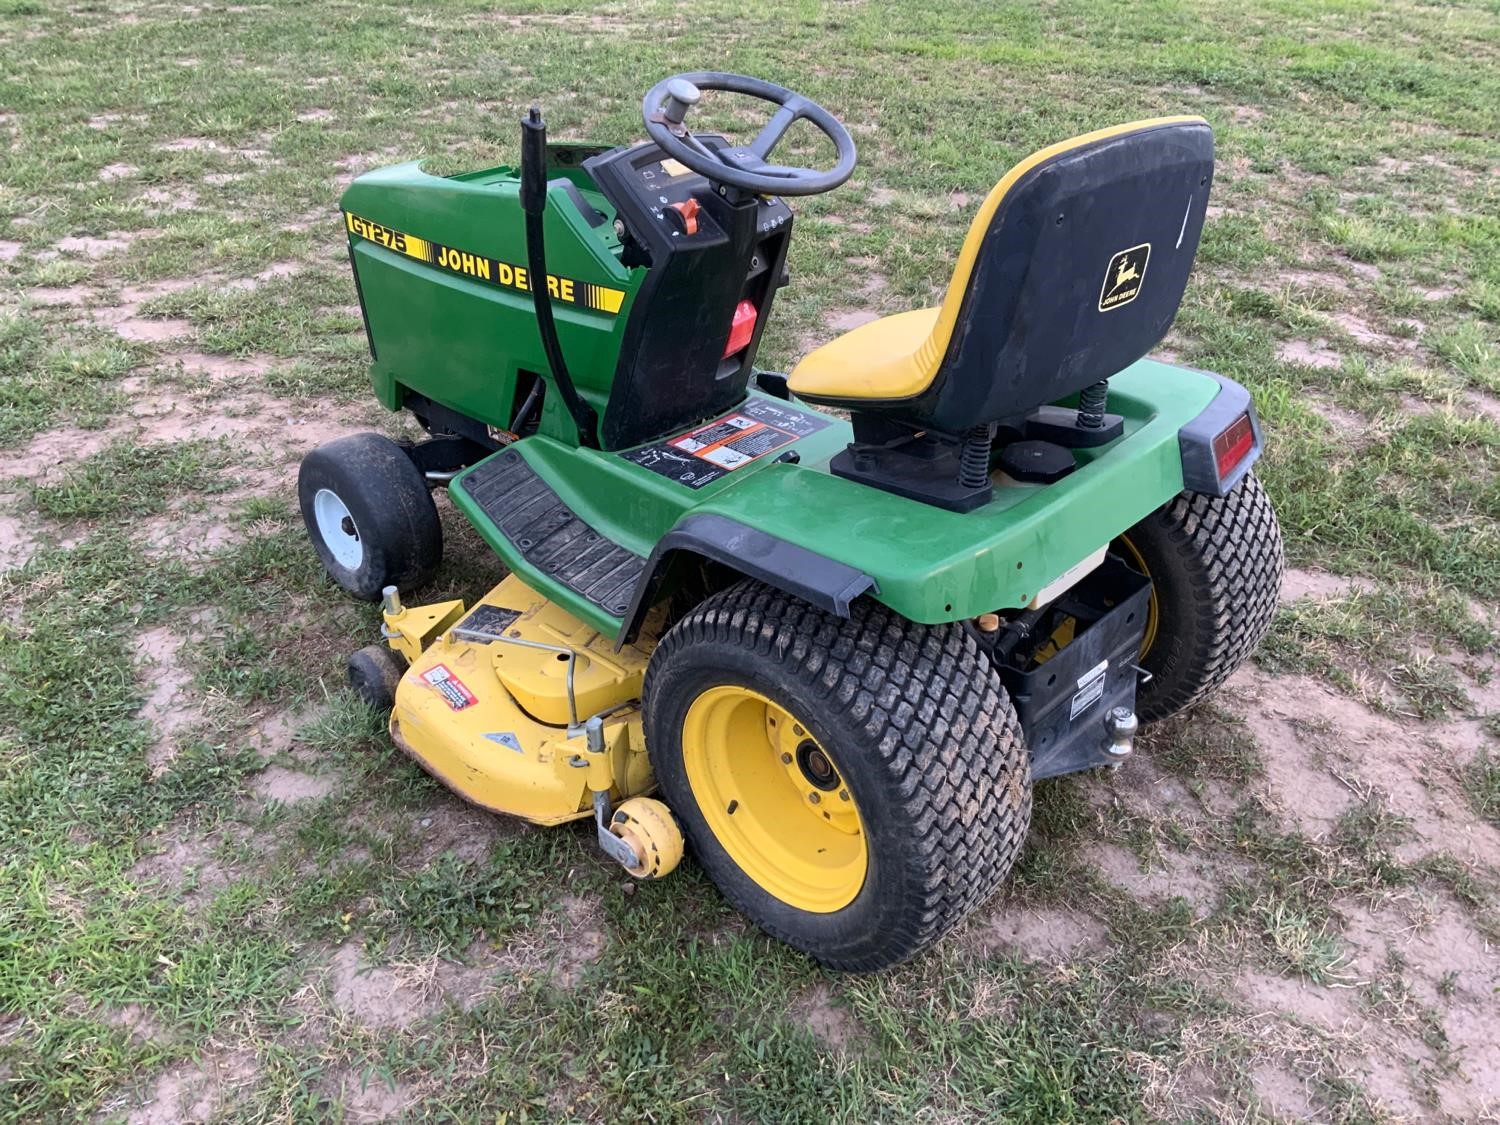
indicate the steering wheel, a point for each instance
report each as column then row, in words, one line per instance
column 745, row 166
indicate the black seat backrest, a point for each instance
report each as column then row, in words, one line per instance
column 1073, row 269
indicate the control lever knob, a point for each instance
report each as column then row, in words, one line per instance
column 682, row 96
column 684, row 215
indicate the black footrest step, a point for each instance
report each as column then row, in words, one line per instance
column 550, row 535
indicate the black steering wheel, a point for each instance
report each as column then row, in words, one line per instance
column 746, row 167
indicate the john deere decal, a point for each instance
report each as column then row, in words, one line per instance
column 600, row 298
column 1123, row 279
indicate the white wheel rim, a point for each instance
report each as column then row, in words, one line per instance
column 337, row 530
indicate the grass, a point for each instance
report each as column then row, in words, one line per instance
column 221, row 881
column 1481, row 781
column 137, row 480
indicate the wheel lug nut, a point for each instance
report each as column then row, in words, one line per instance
column 814, row 798
column 786, row 759
column 843, row 794
column 797, row 730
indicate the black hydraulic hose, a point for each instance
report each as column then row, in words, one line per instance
column 534, row 202
column 527, row 406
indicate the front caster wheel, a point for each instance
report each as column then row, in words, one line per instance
column 369, row 515
column 1215, row 566
column 854, row 786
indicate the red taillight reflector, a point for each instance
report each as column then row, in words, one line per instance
column 1231, row 446
column 741, row 328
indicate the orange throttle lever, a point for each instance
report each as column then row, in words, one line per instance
column 687, row 215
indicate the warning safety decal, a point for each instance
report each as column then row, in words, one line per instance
column 450, row 687
column 600, row 298
column 705, row 454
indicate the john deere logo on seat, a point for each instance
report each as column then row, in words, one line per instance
column 1122, row 281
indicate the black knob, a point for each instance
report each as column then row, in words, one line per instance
column 682, row 96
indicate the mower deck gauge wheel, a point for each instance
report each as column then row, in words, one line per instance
column 647, row 826
column 374, row 671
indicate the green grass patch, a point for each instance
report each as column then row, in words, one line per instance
column 126, row 479
column 1481, row 782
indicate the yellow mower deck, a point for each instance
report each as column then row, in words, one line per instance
column 485, row 705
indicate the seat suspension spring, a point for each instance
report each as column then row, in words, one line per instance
column 974, row 461
column 1091, row 403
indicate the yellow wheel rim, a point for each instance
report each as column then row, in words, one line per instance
column 774, row 799
column 1153, row 611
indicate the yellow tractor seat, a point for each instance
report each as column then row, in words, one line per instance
column 894, row 357
column 1072, row 269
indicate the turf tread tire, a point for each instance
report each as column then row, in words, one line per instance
column 1217, row 563
column 938, row 744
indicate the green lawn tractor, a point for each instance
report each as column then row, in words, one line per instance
column 838, row 621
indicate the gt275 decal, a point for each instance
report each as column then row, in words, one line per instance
column 600, row 298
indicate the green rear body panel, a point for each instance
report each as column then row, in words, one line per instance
column 463, row 340
column 929, row 565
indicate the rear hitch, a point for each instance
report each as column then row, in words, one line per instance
column 1121, row 725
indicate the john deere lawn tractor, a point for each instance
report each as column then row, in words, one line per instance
column 838, row 621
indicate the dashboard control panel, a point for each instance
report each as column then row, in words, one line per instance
column 655, row 195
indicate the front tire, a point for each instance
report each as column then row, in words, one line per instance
column 369, row 515
column 854, row 786
column 1215, row 564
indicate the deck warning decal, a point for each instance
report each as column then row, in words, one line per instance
column 705, row 454
column 450, row 687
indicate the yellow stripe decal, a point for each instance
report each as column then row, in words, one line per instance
column 599, row 298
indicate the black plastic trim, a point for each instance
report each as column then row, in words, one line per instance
column 805, row 574
column 773, row 383
column 591, row 214
column 438, row 419
column 1200, row 469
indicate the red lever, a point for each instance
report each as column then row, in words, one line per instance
column 741, row 328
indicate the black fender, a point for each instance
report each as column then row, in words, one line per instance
column 805, row 574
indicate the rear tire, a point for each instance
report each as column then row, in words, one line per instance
column 910, row 721
column 369, row 515
column 1215, row 564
